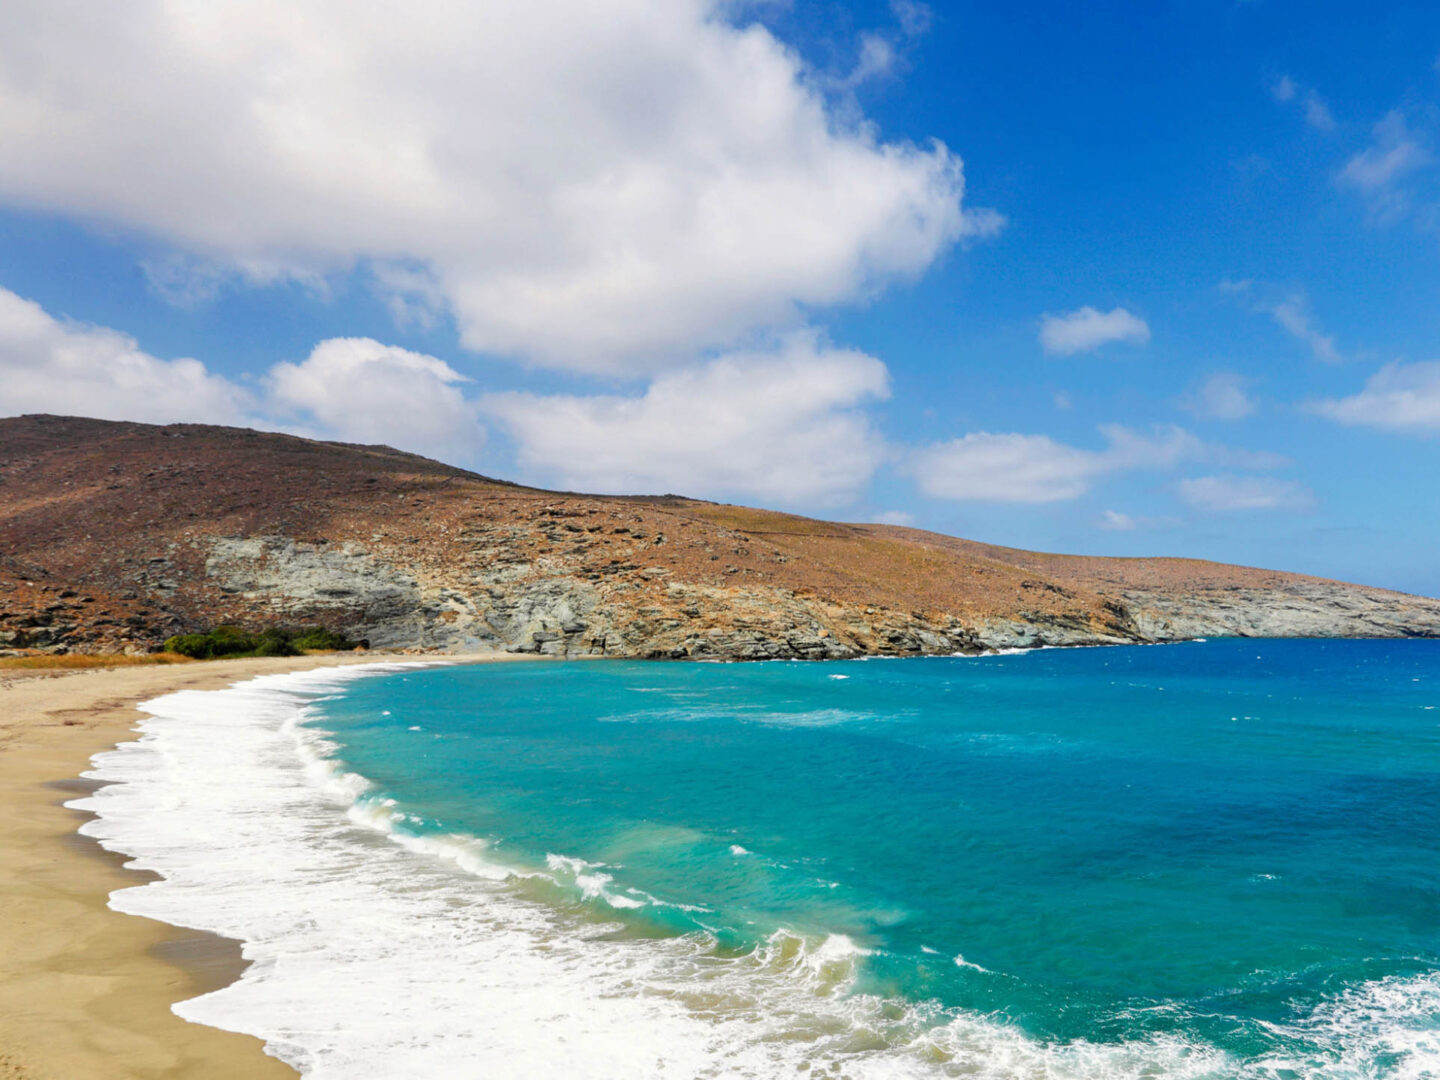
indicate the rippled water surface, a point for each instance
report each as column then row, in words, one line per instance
column 1214, row 859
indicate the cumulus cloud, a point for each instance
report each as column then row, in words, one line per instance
column 785, row 424
column 47, row 365
column 1086, row 329
column 358, row 390
column 1018, row 468
column 1398, row 397
column 352, row 389
column 1005, row 468
column 1223, row 396
column 601, row 187
column 1226, row 492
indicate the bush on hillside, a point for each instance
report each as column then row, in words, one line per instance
column 235, row 642
column 317, row 637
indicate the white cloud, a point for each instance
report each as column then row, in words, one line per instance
column 1317, row 113
column 783, row 425
column 1293, row 316
column 358, row 390
column 1225, row 493
column 1289, row 311
column 1398, row 397
column 1018, row 468
column 894, row 517
column 914, row 17
column 883, row 54
column 1223, row 396
column 1377, row 172
column 603, row 187
column 1393, row 153
column 52, row 366
column 1005, row 468
column 1086, row 329
column 878, row 57
column 352, row 389
column 1114, row 521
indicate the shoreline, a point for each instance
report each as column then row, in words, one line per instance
column 86, row 990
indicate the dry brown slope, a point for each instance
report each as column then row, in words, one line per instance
column 117, row 534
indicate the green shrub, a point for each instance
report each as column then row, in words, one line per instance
column 275, row 641
column 195, row 646
column 317, row 637
column 231, row 641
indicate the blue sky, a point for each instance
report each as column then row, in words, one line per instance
column 1146, row 278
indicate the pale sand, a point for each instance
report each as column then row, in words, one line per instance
column 85, row 992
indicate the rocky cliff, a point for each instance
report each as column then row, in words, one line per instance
column 114, row 536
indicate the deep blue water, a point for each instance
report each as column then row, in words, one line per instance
column 1234, row 842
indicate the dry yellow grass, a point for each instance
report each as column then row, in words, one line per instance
column 82, row 661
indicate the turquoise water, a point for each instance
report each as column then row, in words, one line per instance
column 1231, row 843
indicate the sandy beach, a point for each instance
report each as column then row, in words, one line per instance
column 86, row 991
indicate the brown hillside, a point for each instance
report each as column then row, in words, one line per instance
column 114, row 535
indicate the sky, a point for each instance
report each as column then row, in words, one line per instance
column 1146, row 278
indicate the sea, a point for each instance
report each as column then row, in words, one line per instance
column 1214, row 859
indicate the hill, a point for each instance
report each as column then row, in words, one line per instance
column 116, row 535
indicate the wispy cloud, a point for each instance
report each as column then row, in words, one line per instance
column 1398, row 397
column 893, row 517
column 1290, row 311
column 1024, row 468
column 1087, row 328
column 1223, row 396
column 1317, row 114
column 885, row 52
column 1016, row 468
column 1116, row 521
column 914, row 17
column 1378, row 172
column 1293, row 315
column 1227, row 493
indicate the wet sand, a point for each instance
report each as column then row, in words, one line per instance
column 85, row 991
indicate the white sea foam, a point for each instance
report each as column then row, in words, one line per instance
column 379, row 952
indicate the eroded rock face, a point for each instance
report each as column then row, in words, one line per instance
column 488, row 601
column 1299, row 610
